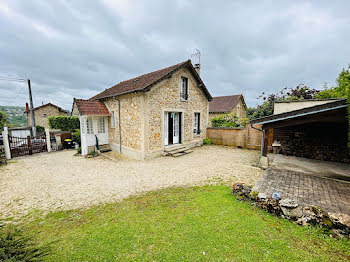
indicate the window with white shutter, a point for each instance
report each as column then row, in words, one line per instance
column 112, row 119
column 89, row 128
column 101, row 125
column 196, row 122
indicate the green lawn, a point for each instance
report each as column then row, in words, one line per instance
column 182, row 224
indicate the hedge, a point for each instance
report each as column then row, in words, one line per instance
column 64, row 123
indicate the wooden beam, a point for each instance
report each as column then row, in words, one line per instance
column 266, row 142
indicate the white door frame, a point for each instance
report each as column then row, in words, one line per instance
column 164, row 113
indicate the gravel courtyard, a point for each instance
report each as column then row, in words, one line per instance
column 59, row 180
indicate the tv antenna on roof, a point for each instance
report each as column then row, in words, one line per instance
column 197, row 54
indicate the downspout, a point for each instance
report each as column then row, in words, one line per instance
column 262, row 142
column 120, row 132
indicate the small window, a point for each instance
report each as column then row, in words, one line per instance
column 112, row 119
column 184, row 89
column 89, row 128
column 196, row 126
column 101, row 125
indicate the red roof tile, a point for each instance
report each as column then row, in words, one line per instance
column 223, row 104
column 91, row 107
column 146, row 81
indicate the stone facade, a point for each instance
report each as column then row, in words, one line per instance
column 42, row 114
column 131, row 118
column 142, row 116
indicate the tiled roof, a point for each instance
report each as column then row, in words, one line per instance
column 223, row 104
column 91, row 107
column 48, row 104
column 146, row 81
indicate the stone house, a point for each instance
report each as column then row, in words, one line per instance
column 234, row 104
column 147, row 115
column 42, row 113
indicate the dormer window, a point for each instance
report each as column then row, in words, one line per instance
column 184, row 89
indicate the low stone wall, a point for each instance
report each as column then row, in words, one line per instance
column 238, row 137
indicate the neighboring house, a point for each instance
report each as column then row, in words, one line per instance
column 144, row 116
column 42, row 113
column 234, row 104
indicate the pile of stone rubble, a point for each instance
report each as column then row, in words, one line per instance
column 338, row 224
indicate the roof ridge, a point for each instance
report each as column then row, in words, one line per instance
column 227, row 96
column 143, row 75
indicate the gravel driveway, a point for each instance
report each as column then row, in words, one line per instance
column 59, row 180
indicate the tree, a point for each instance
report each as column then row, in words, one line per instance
column 300, row 92
column 3, row 119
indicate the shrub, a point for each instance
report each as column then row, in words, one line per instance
column 79, row 150
column 207, row 141
column 228, row 120
column 15, row 245
column 76, row 136
column 64, row 123
column 40, row 129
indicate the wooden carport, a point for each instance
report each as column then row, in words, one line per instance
column 322, row 126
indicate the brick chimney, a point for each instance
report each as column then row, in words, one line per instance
column 198, row 68
column 27, row 107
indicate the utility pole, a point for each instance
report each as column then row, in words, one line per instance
column 31, row 108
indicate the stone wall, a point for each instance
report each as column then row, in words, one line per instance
column 165, row 97
column 41, row 119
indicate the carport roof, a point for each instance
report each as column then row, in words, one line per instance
column 301, row 112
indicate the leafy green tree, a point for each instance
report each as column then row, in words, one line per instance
column 3, row 118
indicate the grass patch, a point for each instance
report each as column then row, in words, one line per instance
column 182, row 224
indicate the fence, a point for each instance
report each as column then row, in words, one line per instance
column 238, row 137
column 21, row 146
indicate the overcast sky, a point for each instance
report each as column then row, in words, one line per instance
column 78, row 48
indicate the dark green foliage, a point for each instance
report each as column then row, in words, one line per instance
column 76, row 136
column 40, row 129
column 228, row 120
column 15, row 245
column 79, row 150
column 64, row 123
column 3, row 118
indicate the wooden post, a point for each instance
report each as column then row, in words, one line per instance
column 266, row 142
column 29, row 146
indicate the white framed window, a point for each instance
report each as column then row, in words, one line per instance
column 83, row 124
column 184, row 89
column 196, row 121
column 112, row 119
column 89, row 127
column 101, row 125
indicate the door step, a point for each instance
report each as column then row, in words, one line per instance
column 105, row 148
column 177, row 151
column 173, row 148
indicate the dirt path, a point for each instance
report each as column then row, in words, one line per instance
column 59, row 180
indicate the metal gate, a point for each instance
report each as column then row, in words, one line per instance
column 21, row 146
